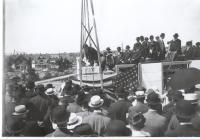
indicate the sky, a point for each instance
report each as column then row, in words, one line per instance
column 53, row 26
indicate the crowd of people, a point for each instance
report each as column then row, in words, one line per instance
column 38, row 110
column 146, row 49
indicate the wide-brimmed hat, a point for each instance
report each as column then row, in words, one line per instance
column 117, row 128
column 136, row 118
column 153, row 98
column 20, row 110
column 192, row 97
column 184, row 109
column 14, row 125
column 50, row 91
column 95, row 102
column 139, row 94
column 74, row 120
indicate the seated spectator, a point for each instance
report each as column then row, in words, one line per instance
column 184, row 113
column 59, row 119
column 119, row 109
column 155, row 123
column 117, row 128
column 136, row 124
column 96, row 119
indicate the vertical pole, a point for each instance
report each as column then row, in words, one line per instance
column 97, row 41
column 81, row 45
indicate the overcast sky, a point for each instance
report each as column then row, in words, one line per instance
column 52, row 26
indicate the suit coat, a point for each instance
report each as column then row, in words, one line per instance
column 155, row 124
column 173, row 123
column 189, row 53
column 59, row 133
column 175, row 45
column 168, row 111
column 118, row 110
column 139, row 107
column 183, row 131
column 74, row 107
column 98, row 122
column 41, row 104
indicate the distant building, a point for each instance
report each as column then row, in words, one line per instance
column 21, row 63
column 44, row 62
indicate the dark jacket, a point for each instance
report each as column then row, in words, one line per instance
column 183, row 131
column 118, row 110
column 139, row 107
column 155, row 124
column 175, row 45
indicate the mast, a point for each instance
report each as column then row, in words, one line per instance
column 87, row 26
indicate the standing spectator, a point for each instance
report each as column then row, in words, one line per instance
column 117, row 128
column 59, row 119
column 136, row 124
column 74, row 121
column 84, row 130
column 162, row 46
column 14, row 127
column 189, row 52
column 184, row 113
column 153, row 49
column 155, row 123
column 175, row 45
column 97, row 120
column 109, row 58
column 137, row 46
column 119, row 109
column 140, row 106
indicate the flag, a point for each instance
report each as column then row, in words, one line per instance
column 127, row 79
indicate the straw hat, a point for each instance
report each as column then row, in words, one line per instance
column 192, row 97
column 20, row 110
column 95, row 102
column 74, row 120
column 50, row 91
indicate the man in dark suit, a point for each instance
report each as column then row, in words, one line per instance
column 91, row 54
column 175, row 44
column 137, row 46
column 189, row 51
column 184, row 113
column 155, row 123
column 162, row 46
column 153, row 49
column 119, row 109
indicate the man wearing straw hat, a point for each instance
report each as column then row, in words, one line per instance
column 97, row 120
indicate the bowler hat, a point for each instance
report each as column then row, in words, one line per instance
column 14, row 125
column 117, row 128
column 153, row 98
column 49, row 86
column 184, row 109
